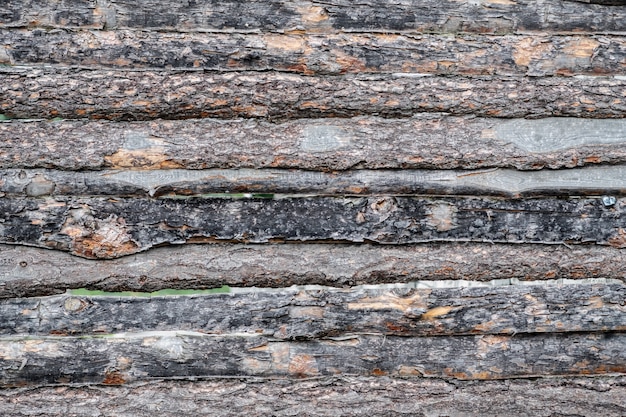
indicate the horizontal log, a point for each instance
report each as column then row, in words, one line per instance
column 601, row 180
column 354, row 396
column 310, row 314
column 430, row 141
column 26, row 271
column 320, row 54
column 112, row 227
column 122, row 95
column 116, row 359
column 338, row 15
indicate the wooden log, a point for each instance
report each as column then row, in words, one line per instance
column 354, row 396
column 601, row 180
column 122, row 95
column 315, row 54
column 131, row 357
column 26, row 271
column 430, row 141
column 112, row 227
column 338, row 15
column 311, row 314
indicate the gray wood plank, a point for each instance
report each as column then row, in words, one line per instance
column 139, row 95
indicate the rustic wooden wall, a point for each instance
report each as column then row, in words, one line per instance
column 443, row 181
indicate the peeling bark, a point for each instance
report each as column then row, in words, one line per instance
column 311, row 314
column 313, row 54
column 140, row 95
column 108, row 228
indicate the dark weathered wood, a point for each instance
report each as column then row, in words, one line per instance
column 135, row 95
column 352, row 396
column 144, row 356
column 320, row 53
column 587, row 181
column 491, row 16
column 310, row 314
column 28, row 271
column 423, row 141
column 109, row 228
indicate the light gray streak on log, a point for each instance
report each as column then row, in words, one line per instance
column 553, row 134
column 599, row 180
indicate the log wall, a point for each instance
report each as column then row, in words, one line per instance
column 409, row 208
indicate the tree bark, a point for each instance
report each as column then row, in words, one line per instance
column 142, row 95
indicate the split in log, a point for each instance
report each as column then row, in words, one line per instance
column 26, row 271
column 587, row 181
column 137, row 95
column 113, row 227
column 426, row 141
column 324, row 397
column 489, row 16
column 315, row 54
column 144, row 356
column 292, row 314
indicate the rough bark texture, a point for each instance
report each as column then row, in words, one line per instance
column 109, row 228
column 311, row 314
column 347, row 396
column 28, row 271
column 139, row 95
column 143, row 356
column 320, row 53
column 601, row 180
column 489, row 16
column 427, row 141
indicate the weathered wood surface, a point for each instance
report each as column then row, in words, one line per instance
column 311, row 314
column 351, row 396
column 426, row 141
column 601, row 180
column 104, row 228
column 26, row 271
column 340, row 15
column 138, row 95
column 320, row 54
column 28, row 360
